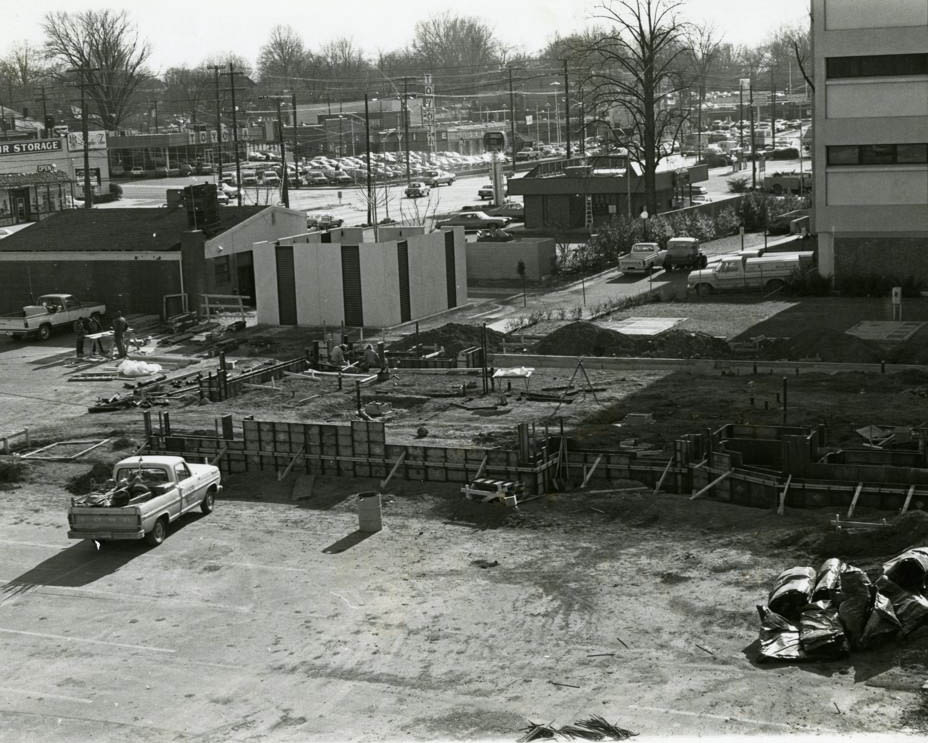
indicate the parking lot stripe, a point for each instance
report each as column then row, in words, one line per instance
column 726, row 718
column 58, row 547
column 28, row 693
column 87, row 640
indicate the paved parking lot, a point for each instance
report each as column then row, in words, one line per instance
column 274, row 619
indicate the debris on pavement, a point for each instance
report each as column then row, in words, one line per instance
column 824, row 614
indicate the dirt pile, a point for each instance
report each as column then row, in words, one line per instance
column 908, row 530
column 824, row 344
column 588, row 339
column 453, row 337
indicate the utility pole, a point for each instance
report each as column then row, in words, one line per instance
column 296, row 142
column 405, row 109
column 88, row 190
column 773, row 118
column 741, row 112
column 567, row 106
column 156, row 115
column 753, row 147
column 284, row 192
column 371, row 211
column 512, row 122
column 238, row 164
column 44, row 111
column 215, row 69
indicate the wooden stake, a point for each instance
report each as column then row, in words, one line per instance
column 850, row 511
column 589, row 474
column 712, row 484
column 663, row 476
column 782, row 505
column 286, row 472
column 908, row 499
column 396, row 466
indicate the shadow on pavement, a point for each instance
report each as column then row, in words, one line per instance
column 347, row 542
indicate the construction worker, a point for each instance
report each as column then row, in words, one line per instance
column 80, row 330
column 371, row 359
column 337, row 356
column 120, row 326
column 96, row 344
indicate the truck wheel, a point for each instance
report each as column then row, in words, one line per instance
column 703, row 290
column 45, row 332
column 158, row 532
column 209, row 500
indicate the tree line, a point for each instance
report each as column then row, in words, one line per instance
column 637, row 57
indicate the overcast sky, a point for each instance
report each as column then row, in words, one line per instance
column 184, row 32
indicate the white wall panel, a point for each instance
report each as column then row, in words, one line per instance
column 848, row 14
column 869, row 187
column 858, row 99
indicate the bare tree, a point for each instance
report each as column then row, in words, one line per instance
column 107, row 47
column 635, row 65
column 455, row 41
column 795, row 42
column 188, row 91
column 283, row 55
column 703, row 46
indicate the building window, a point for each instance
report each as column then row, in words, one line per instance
column 878, row 154
column 876, row 65
column 221, row 269
column 912, row 153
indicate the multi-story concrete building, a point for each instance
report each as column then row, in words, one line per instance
column 871, row 137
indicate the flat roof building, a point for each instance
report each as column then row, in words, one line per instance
column 871, row 137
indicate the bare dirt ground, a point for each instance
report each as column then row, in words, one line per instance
column 274, row 619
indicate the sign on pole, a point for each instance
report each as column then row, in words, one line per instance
column 428, row 111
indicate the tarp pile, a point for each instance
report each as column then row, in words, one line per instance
column 824, row 614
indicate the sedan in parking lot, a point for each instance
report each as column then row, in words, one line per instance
column 473, row 220
column 416, row 189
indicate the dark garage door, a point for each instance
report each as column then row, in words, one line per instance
column 351, row 286
column 402, row 252
column 286, row 285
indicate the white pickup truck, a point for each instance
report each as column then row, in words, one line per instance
column 739, row 272
column 157, row 491
column 49, row 312
column 643, row 257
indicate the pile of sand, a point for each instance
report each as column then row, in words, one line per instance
column 453, row 337
column 824, row 344
column 588, row 339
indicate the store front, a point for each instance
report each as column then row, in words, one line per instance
column 29, row 197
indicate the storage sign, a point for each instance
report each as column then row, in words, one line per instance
column 30, row 147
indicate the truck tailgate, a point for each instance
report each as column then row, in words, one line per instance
column 105, row 523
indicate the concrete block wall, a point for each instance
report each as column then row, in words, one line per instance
column 379, row 283
column 898, row 256
column 492, row 260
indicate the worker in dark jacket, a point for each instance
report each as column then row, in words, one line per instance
column 120, row 326
column 96, row 344
column 80, row 330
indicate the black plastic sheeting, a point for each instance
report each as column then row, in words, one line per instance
column 823, row 614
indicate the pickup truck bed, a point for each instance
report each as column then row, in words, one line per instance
column 174, row 488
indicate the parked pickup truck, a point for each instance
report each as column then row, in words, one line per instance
column 49, row 312
column 768, row 272
column 684, row 252
column 147, row 493
column 643, row 257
